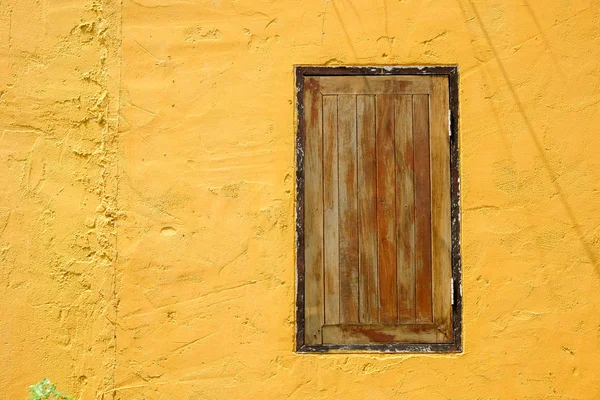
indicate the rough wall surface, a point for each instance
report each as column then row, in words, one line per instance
column 59, row 79
column 195, row 300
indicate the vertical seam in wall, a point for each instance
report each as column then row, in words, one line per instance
column 118, row 175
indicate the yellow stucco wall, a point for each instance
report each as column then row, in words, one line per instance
column 147, row 196
column 59, row 83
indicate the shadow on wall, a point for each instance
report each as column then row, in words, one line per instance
column 552, row 175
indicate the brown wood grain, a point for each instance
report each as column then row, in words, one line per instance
column 386, row 209
column 348, row 208
column 424, row 311
column 424, row 106
column 375, row 85
column 379, row 333
column 405, row 209
column 367, row 210
column 331, row 211
column 313, row 214
column 440, row 208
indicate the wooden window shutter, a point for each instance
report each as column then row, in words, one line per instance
column 375, row 211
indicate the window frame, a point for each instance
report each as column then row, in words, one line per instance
column 449, row 71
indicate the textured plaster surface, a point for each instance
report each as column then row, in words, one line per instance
column 147, row 196
column 59, row 74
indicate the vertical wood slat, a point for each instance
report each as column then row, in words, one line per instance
column 330, row 204
column 422, row 209
column 348, row 209
column 405, row 209
column 367, row 210
column 440, row 208
column 386, row 209
column 313, row 204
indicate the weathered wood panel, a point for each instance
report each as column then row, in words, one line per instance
column 375, row 85
column 377, row 253
column 405, row 209
column 348, row 208
column 386, row 209
column 313, row 216
column 367, row 210
column 424, row 312
column 440, row 208
column 330, row 202
column 379, row 333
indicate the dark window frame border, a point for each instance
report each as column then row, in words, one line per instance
column 451, row 71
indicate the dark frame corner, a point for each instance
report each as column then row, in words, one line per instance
column 451, row 71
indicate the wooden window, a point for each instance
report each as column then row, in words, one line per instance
column 377, row 210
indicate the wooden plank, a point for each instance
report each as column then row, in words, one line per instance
column 386, row 209
column 313, row 214
column 330, row 193
column 367, row 210
column 424, row 312
column 375, row 84
column 405, row 209
column 440, row 209
column 379, row 333
column 348, row 208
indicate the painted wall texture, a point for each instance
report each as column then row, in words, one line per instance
column 147, row 196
